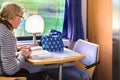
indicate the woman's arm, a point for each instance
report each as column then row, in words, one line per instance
column 10, row 63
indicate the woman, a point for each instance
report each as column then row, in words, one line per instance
column 11, row 16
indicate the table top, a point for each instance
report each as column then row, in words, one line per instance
column 58, row 57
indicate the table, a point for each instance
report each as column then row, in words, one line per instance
column 58, row 58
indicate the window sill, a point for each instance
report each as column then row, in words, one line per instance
column 30, row 42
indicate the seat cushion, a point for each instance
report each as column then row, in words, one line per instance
column 12, row 78
column 68, row 73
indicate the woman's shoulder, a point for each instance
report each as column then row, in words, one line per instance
column 3, row 28
column 4, row 31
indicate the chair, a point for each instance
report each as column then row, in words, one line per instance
column 12, row 78
column 83, row 70
column 25, row 76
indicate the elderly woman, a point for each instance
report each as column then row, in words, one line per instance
column 11, row 16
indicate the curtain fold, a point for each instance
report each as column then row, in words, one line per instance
column 73, row 27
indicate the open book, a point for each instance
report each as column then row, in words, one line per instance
column 38, row 53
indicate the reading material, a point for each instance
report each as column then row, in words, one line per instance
column 38, row 53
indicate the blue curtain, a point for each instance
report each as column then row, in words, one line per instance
column 73, row 27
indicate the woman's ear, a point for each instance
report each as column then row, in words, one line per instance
column 14, row 16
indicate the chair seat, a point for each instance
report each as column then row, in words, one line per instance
column 68, row 73
column 12, row 78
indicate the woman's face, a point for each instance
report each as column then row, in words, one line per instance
column 17, row 19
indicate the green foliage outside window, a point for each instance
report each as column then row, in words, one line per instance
column 52, row 12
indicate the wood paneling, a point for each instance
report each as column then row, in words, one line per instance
column 99, row 27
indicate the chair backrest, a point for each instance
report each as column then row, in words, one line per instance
column 90, row 50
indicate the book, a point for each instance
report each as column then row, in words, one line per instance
column 39, row 54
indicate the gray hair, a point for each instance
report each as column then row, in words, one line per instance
column 8, row 9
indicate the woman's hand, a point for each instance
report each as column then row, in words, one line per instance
column 25, row 50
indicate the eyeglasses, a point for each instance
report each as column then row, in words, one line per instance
column 20, row 16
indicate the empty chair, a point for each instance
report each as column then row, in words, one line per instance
column 83, row 70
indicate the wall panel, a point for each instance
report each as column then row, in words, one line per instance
column 99, row 26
